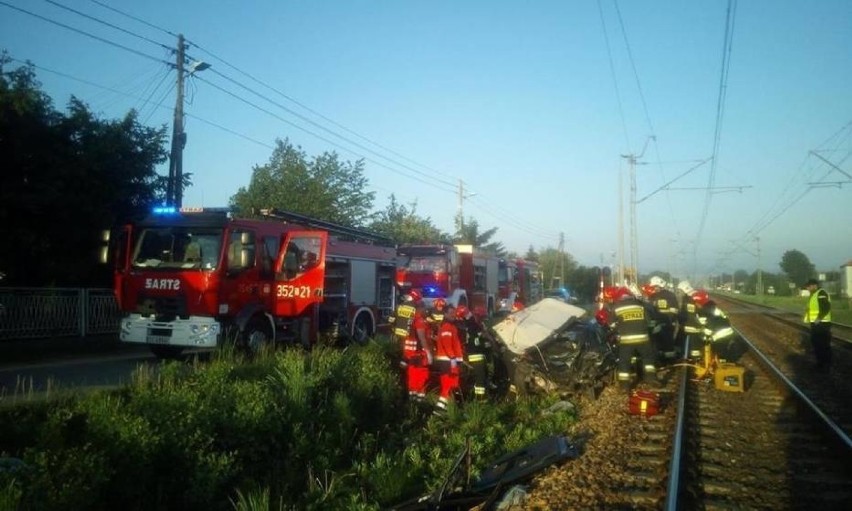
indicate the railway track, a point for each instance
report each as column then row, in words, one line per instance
column 765, row 448
column 842, row 333
column 760, row 449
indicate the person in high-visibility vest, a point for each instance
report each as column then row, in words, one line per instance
column 818, row 315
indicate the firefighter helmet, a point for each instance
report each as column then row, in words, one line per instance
column 700, row 297
column 685, row 287
column 439, row 304
column 602, row 317
column 622, row 293
column 413, row 296
column 462, row 312
column 657, row 281
column 609, row 293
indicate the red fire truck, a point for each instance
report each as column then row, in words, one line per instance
column 192, row 278
column 458, row 273
column 519, row 281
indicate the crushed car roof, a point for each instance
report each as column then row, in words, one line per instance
column 530, row 326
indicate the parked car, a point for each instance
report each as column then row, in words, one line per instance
column 561, row 294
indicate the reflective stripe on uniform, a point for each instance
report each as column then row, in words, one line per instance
column 633, row 339
column 478, row 357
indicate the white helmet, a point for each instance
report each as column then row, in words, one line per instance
column 634, row 289
column 685, row 287
column 657, row 281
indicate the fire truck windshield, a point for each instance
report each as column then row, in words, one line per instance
column 429, row 264
column 177, row 247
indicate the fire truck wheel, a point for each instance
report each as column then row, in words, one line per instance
column 362, row 330
column 256, row 336
column 166, row 352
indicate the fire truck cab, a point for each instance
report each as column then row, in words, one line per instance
column 519, row 281
column 458, row 273
column 192, row 278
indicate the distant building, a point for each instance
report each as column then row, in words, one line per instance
column 846, row 279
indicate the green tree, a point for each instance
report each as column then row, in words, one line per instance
column 584, row 282
column 323, row 187
column 66, row 178
column 469, row 233
column 797, row 266
column 531, row 254
column 403, row 225
column 556, row 266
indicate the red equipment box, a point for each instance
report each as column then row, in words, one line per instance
column 644, row 403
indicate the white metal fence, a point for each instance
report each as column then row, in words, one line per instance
column 31, row 313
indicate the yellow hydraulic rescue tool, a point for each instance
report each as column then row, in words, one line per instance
column 726, row 376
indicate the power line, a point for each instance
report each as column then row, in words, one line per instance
column 318, row 114
column 158, row 104
column 327, row 130
column 105, row 6
column 305, row 107
column 87, row 34
column 110, row 89
column 324, row 139
column 98, row 20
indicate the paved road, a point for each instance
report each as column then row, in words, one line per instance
column 41, row 365
column 91, row 371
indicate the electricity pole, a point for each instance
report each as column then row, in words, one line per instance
column 633, row 160
column 174, row 189
column 759, row 273
column 462, row 197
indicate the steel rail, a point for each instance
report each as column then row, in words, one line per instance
column 829, row 425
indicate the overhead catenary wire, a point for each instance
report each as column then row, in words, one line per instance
column 727, row 46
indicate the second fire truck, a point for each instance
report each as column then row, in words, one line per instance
column 519, row 282
column 458, row 273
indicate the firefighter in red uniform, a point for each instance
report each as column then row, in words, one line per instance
column 435, row 317
column 411, row 331
column 449, row 356
column 631, row 324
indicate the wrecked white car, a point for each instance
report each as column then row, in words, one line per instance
column 553, row 346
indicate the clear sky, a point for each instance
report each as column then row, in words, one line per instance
column 532, row 104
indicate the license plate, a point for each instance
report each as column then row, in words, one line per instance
column 158, row 339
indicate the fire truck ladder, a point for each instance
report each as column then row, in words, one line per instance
column 351, row 233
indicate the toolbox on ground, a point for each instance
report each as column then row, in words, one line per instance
column 644, row 402
column 730, row 378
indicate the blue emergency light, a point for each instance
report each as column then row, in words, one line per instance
column 164, row 210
